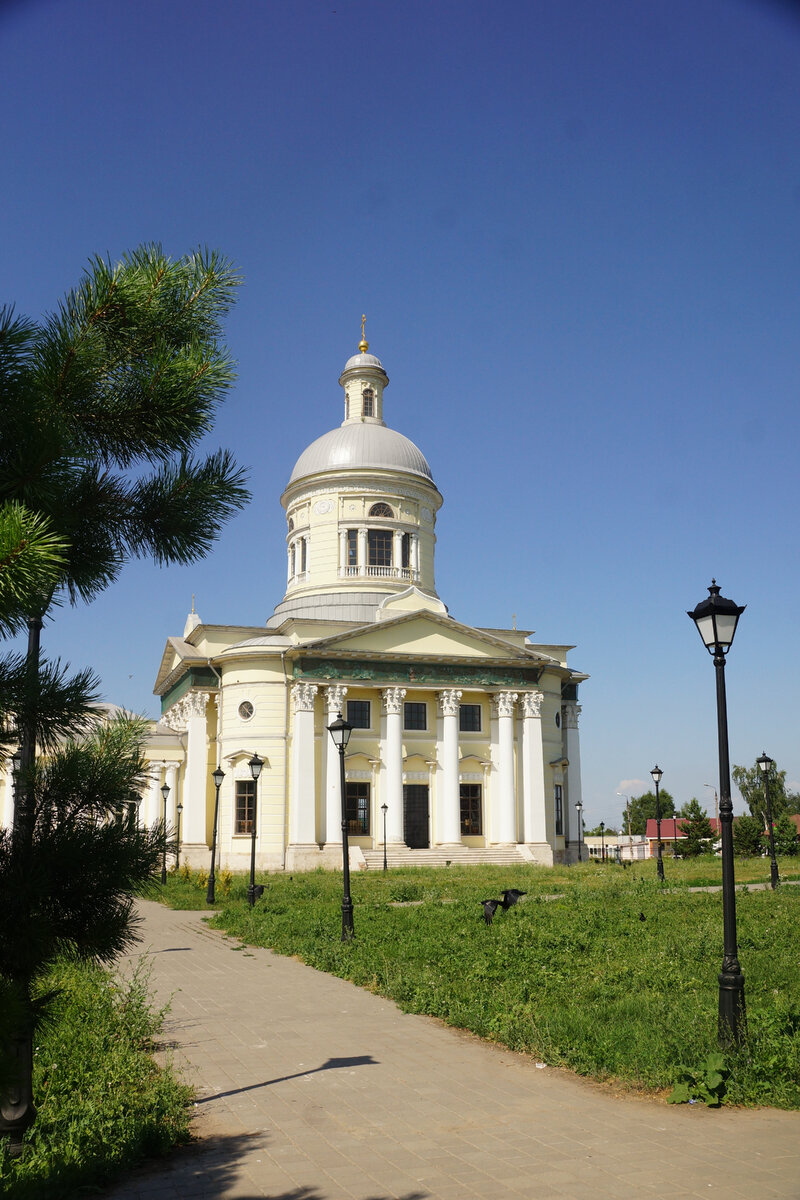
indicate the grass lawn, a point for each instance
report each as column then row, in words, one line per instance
column 615, row 977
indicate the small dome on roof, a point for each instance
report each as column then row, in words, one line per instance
column 363, row 360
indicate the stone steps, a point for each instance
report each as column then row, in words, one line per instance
column 401, row 856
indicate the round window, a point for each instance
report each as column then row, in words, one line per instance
column 246, row 710
column 558, row 720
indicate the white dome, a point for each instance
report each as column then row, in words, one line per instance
column 361, row 445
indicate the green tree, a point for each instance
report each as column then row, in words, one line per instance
column 103, row 404
column 750, row 782
column 748, row 836
column 643, row 807
column 694, row 823
column 786, row 841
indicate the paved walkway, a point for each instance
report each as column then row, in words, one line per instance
column 311, row 1089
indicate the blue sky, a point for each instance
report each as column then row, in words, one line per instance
column 575, row 231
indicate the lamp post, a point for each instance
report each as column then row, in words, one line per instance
column 716, row 619
column 255, row 764
column 766, row 764
column 657, row 773
column 579, row 811
column 384, row 810
column 602, row 841
column 627, row 800
column 218, row 777
column 340, row 732
column 165, row 794
column 179, row 811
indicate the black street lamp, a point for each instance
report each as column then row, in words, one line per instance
column 766, row 764
column 579, row 811
column 716, row 619
column 255, row 764
column 165, row 794
column 602, row 841
column 218, row 777
column 340, row 732
column 657, row 773
column 178, row 810
column 384, row 810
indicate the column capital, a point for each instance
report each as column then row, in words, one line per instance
column 334, row 697
column 193, row 704
column 303, row 696
column 449, row 702
column 532, row 704
column 503, row 703
column 571, row 712
column 392, row 700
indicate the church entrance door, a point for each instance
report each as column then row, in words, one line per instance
column 415, row 813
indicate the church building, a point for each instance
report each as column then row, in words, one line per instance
column 465, row 741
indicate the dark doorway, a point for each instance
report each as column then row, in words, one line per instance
column 415, row 813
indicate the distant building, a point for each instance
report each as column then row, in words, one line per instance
column 469, row 736
column 672, row 832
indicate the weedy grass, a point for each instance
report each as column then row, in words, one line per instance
column 103, row 1103
column 600, row 970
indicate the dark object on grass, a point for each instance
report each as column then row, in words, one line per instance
column 511, row 896
column 489, row 909
column 258, row 891
column 642, row 917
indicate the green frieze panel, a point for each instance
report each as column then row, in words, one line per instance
column 195, row 677
column 419, row 674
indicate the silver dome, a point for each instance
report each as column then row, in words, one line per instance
column 361, row 445
column 363, row 360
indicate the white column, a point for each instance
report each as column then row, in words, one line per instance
column 534, row 803
column 289, row 562
column 504, row 817
column 7, row 821
column 392, row 762
column 397, row 551
column 342, row 551
column 171, row 780
column 153, row 805
column 571, row 712
column 189, row 717
column 414, row 554
column 362, row 551
column 448, row 796
column 334, row 703
column 302, row 794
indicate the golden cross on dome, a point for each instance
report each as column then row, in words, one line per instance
column 363, row 345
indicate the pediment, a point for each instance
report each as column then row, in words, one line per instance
column 425, row 635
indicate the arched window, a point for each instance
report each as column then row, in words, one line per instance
column 381, row 510
column 368, row 402
column 291, row 524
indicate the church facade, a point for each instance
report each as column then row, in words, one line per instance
column 465, row 740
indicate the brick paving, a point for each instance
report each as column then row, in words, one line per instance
column 310, row 1089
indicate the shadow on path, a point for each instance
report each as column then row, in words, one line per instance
column 361, row 1060
column 209, row 1168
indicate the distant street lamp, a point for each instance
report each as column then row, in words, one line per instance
column 602, row 841
column 384, row 810
column 657, row 773
column 255, row 764
column 340, row 731
column 716, row 619
column 766, row 764
column 179, row 811
column 165, row 794
column 579, row 811
column 218, row 777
